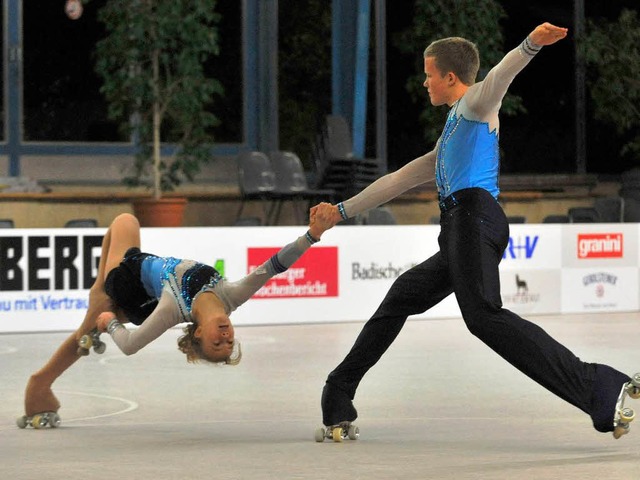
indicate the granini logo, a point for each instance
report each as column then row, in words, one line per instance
column 600, row 245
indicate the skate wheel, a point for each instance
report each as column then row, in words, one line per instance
column 320, row 435
column 85, row 342
column 353, row 432
column 38, row 421
column 627, row 415
column 22, row 421
column 83, row 352
column 99, row 348
column 336, row 434
column 54, row 420
column 633, row 388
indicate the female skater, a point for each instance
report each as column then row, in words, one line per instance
column 156, row 294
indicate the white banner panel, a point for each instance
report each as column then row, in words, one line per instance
column 600, row 244
column 45, row 274
column 607, row 289
column 533, row 246
column 534, row 291
column 370, row 263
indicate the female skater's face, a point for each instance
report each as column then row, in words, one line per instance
column 216, row 335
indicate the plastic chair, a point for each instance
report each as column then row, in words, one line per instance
column 556, row 219
column 256, row 180
column 631, row 178
column 632, row 210
column 609, row 209
column 82, row 223
column 517, row 219
column 338, row 168
column 248, row 222
column 292, row 185
column 583, row 215
column 630, row 192
column 380, row 216
column 6, row 223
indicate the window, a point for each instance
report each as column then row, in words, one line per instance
column 62, row 99
column 227, row 69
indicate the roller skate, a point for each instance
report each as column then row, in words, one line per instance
column 625, row 415
column 338, row 432
column 338, row 414
column 41, row 406
column 92, row 339
column 39, row 420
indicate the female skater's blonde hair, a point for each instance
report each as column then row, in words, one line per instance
column 192, row 348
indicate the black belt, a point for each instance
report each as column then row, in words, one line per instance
column 448, row 203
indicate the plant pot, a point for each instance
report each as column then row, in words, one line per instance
column 164, row 212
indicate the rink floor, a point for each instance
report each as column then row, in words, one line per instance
column 439, row 405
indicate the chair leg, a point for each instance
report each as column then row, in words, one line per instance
column 240, row 209
column 300, row 216
column 273, row 215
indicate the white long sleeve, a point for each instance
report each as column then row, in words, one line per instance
column 165, row 316
column 234, row 294
column 167, row 313
column 388, row 187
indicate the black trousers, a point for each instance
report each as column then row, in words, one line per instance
column 474, row 234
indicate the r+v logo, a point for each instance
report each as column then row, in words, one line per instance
column 521, row 247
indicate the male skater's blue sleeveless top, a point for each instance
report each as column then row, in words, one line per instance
column 467, row 156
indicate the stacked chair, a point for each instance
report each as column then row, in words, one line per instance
column 379, row 216
column 630, row 194
column 82, row 223
column 257, row 182
column 337, row 167
column 292, row 185
column 609, row 209
column 583, row 215
column 274, row 179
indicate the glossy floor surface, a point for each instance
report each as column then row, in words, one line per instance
column 439, row 405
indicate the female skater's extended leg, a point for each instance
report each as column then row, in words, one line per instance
column 123, row 233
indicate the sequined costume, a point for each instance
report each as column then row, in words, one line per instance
column 474, row 234
column 157, row 293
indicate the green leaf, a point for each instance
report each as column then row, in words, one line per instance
column 185, row 34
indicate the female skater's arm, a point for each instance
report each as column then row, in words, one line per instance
column 163, row 317
column 234, row 294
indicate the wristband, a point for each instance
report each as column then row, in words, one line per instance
column 529, row 47
column 113, row 325
column 310, row 238
column 343, row 214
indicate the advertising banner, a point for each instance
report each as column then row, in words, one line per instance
column 534, row 291
column 607, row 289
column 595, row 245
column 533, row 246
column 45, row 274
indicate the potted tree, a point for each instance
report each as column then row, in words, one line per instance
column 151, row 64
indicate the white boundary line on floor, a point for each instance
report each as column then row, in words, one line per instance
column 131, row 406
